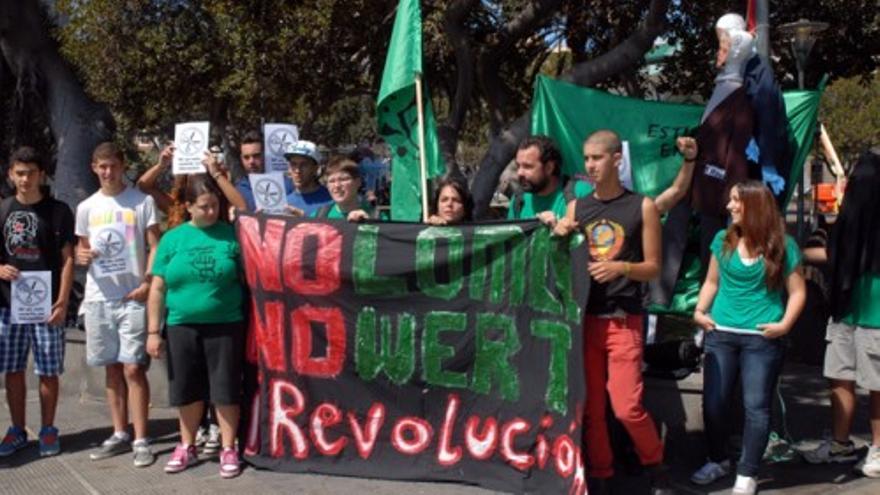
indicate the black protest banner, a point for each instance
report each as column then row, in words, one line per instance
column 416, row 352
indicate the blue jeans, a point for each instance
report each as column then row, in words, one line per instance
column 756, row 361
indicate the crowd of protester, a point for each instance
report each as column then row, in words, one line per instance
column 183, row 297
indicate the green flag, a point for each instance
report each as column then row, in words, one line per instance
column 569, row 113
column 397, row 115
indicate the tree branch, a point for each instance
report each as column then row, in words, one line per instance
column 492, row 84
column 626, row 55
column 450, row 130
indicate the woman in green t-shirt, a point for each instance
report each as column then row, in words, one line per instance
column 196, row 279
column 741, row 309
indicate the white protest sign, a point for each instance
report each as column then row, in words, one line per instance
column 279, row 139
column 31, row 297
column 626, row 167
column 269, row 193
column 113, row 254
column 190, row 144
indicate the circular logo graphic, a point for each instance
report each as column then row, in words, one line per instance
column 281, row 141
column 109, row 242
column 605, row 238
column 191, row 142
column 31, row 291
column 269, row 192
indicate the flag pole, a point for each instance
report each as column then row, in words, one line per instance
column 423, row 166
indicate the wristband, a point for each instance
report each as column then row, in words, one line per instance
column 627, row 268
column 153, row 333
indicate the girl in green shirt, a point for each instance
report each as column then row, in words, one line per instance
column 196, row 279
column 742, row 311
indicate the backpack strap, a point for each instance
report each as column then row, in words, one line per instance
column 323, row 211
column 5, row 206
column 568, row 190
column 517, row 203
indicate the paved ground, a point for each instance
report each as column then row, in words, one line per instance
column 675, row 405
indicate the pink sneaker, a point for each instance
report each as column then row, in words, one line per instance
column 229, row 465
column 181, row 458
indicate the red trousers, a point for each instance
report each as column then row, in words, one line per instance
column 613, row 360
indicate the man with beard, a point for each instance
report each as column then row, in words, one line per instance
column 539, row 171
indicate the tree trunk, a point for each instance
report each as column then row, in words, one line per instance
column 626, row 55
column 77, row 122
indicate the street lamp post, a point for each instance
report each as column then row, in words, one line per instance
column 803, row 35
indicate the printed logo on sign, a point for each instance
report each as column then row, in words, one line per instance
column 606, row 239
column 281, row 141
column 31, row 291
column 192, row 141
column 110, row 243
column 268, row 192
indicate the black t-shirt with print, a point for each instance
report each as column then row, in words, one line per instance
column 31, row 238
column 613, row 229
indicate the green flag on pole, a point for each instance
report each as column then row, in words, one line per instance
column 397, row 115
column 569, row 113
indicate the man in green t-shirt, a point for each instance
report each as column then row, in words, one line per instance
column 539, row 171
column 852, row 356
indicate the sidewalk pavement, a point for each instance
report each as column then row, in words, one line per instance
column 84, row 422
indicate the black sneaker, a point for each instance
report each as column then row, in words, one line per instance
column 660, row 482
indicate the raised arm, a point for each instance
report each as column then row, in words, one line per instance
column 666, row 200
column 649, row 268
column 224, row 182
column 147, row 183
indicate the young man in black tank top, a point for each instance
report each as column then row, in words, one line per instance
column 623, row 233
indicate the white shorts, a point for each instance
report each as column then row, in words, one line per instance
column 116, row 332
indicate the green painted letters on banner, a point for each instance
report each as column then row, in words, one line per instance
column 426, row 245
column 398, row 364
column 434, row 352
column 559, row 336
column 364, row 266
column 540, row 297
column 495, row 237
column 493, row 356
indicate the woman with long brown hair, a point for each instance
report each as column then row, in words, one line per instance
column 743, row 312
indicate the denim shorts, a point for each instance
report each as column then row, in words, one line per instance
column 16, row 341
column 116, row 332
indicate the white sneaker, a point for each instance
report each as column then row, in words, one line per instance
column 744, row 485
column 212, row 443
column 711, row 472
column 871, row 468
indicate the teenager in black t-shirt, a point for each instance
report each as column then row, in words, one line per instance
column 36, row 234
column 623, row 236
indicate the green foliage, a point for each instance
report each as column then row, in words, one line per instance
column 851, row 114
column 156, row 62
column 318, row 62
